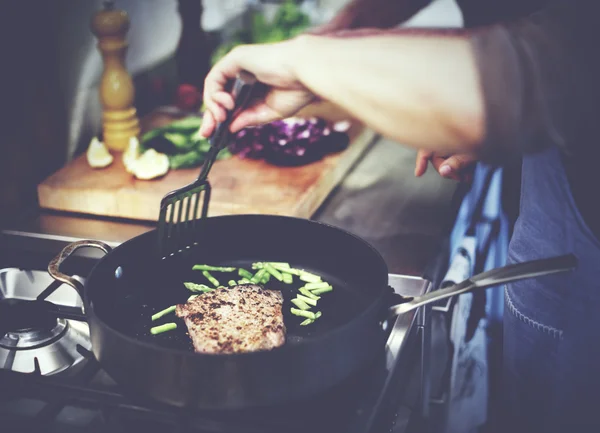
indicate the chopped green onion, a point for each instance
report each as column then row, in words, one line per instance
column 258, row 276
column 197, row 287
column 323, row 290
column 231, row 282
column 307, row 300
column 163, row 312
column 213, row 268
column 303, row 313
column 163, row 328
column 287, row 278
column 192, row 297
column 309, row 278
column 244, row 281
column 308, row 293
column 318, row 285
column 300, row 304
column 307, row 322
column 210, row 278
column 244, row 273
column 271, row 270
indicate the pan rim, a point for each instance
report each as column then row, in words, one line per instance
column 90, row 311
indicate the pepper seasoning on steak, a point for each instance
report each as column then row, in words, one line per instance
column 242, row 318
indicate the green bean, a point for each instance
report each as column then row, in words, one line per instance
column 161, row 313
column 317, row 285
column 307, row 322
column 323, row 290
column 163, row 328
column 210, row 278
column 303, row 313
column 307, row 300
column 287, row 278
column 309, row 278
column 213, row 268
column 244, row 273
column 194, row 287
column 271, row 270
column 308, row 293
column 300, row 304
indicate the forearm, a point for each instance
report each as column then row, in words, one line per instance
column 420, row 90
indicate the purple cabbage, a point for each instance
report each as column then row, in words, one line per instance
column 291, row 142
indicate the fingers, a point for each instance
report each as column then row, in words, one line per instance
column 208, row 124
column 423, row 157
column 456, row 167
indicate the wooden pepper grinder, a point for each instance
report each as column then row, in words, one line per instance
column 117, row 93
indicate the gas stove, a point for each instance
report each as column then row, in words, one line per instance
column 51, row 382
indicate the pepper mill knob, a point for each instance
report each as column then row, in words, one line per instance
column 119, row 118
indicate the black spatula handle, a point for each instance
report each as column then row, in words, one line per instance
column 242, row 88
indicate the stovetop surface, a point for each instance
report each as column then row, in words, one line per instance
column 85, row 398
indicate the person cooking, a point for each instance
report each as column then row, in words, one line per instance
column 523, row 81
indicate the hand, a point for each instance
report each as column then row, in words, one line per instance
column 455, row 167
column 271, row 64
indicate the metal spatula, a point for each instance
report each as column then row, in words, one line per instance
column 178, row 222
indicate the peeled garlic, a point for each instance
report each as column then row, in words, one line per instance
column 150, row 165
column 98, row 155
column 131, row 154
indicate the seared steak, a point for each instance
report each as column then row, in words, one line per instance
column 243, row 318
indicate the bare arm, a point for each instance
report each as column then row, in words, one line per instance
column 508, row 87
column 422, row 91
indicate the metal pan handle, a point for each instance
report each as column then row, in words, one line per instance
column 494, row 277
column 54, row 266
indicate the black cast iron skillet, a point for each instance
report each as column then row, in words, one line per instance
column 131, row 283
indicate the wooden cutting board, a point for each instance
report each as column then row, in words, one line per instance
column 239, row 186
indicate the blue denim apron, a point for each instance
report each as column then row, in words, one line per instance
column 552, row 323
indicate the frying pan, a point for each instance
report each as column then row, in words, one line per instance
column 132, row 282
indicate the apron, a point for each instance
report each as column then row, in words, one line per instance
column 552, row 323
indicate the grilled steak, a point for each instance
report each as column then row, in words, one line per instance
column 243, row 318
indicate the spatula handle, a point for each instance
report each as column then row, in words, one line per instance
column 244, row 83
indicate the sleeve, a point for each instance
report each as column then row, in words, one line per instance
column 538, row 78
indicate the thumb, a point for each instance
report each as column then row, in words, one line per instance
column 456, row 166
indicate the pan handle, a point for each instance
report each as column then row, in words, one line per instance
column 54, row 265
column 494, row 277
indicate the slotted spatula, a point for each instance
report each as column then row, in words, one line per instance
column 179, row 222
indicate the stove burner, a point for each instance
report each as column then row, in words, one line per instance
column 38, row 336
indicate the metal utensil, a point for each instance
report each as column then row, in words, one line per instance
column 176, row 231
column 494, row 277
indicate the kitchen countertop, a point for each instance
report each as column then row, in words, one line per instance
column 380, row 200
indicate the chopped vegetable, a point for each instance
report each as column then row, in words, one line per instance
column 210, row 278
column 308, row 293
column 289, row 142
column 194, row 287
column 231, row 282
column 300, row 304
column 213, row 268
column 287, row 278
column 317, row 314
column 271, row 270
column 313, row 286
column 306, row 299
column 309, row 278
column 258, row 276
column 266, row 277
column 192, row 297
column 323, row 290
column 244, row 273
column 303, row 313
column 163, row 328
column 131, row 154
column 244, row 281
column 167, row 310
column 307, row 322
